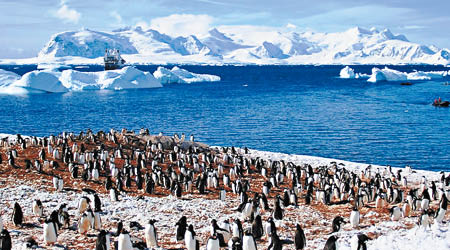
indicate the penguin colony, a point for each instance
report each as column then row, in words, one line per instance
column 111, row 167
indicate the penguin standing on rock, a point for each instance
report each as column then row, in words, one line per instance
column 37, row 208
column 300, row 239
column 124, row 241
column 257, row 228
column 181, row 228
column 103, row 241
column 5, row 240
column 50, row 232
column 354, row 217
column 248, row 242
column 278, row 212
column 17, row 216
column 395, row 213
column 331, row 243
column 358, row 242
column 337, row 221
column 189, row 239
column 84, row 224
column 213, row 243
column 150, row 233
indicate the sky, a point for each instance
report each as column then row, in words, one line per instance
column 27, row 25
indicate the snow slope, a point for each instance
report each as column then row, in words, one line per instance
column 242, row 45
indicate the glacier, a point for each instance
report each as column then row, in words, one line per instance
column 178, row 75
column 238, row 45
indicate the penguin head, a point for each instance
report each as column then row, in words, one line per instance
column 151, row 221
column 362, row 238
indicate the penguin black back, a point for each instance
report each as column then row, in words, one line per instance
column 337, row 221
column 5, row 240
column 362, row 238
column 17, row 215
column 300, row 239
column 181, row 227
column 331, row 243
column 100, row 244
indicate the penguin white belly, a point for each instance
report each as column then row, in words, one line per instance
column 189, row 241
column 97, row 221
column 84, row 225
column 247, row 211
column 424, row 204
column 213, row 244
column 396, row 213
column 440, row 216
column 354, row 219
column 354, row 242
column 150, row 236
column 406, row 210
column 112, row 194
column 248, row 243
column 49, row 233
column 37, row 210
column 82, row 206
column 235, row 231
column 124, row 242
column 267, row 229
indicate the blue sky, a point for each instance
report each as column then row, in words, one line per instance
column 26, row 25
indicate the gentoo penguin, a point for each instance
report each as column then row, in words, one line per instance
column 17, row 216
column 337, row 221
column 275, row 242
column 84, row 224
column 257, row 228
column 269, row 227
column 424, row 219
column 278, row 212
column 331, row 243
column 58, row 183
column 248, row 242
column 37, row 208
column 354, row 217
column 406, row 209
column 97, row 225
column 97, row 203
column 83, row 204
column 103, row 241
column 300, row 239
column 119, row 228
column 5, row 240
column 124, row 241
column 235, row 244
column 181, row 228
column 50, row 232
column 150, row 234
column 213, row 243
column 189, row 239
column 358, row 242
column 440, row 215
column 236, row 229
column 113, row 194
column 395, row 213
column 219, row 232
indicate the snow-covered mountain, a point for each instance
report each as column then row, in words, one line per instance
column 246, row 44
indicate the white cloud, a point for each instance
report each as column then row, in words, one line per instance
column 291, row 26
column 67, row 14
column 116, row 16
column 180, row 24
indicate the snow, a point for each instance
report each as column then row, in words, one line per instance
column 240, row 45
column 70, row 80
column 179, row 75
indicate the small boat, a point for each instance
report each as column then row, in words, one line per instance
column 406, row 83
column 112, row 59
column 441, row 104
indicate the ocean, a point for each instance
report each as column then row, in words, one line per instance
column 305, row 110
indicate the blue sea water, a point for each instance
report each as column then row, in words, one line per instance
column 291, row 109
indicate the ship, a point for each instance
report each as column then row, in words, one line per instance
column 113, row 60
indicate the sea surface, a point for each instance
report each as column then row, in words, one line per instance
column 291, row 109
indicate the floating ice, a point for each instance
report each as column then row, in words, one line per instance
column 388, row 74
column 178, row 75
column 347, row 72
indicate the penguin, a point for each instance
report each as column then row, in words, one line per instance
column 124, row 241
column 119, row 228
column 213, row 243
column 189, row 239
column 219, row 232
column 83, row 204
column 300, row 239
column 103, row 241
column 114, row 194
column 358, row 242
column 181, row 228
column 235, row 244
column 278, row 212
column 269, row 227
column 58, row 183
column 440, row 215
column 336, row 225
column 84, row 224
column 37, row 208
column 17, row 216
column 248, row 242
column 236, row 229
column 97, row 225
column 424, row 219
column 150, row 233
column 395, row 213
column 354, row 217
column 257, row 228
column 406, row 209
column 5, row 240
column 331, row 243
column 50, row 232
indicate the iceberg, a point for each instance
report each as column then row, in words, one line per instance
column 347, row 73
column 70, row 80
column 388, row 74
column 178, row 75
column 7, row 77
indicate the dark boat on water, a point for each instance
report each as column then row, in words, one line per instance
column 441, row 104
column 112, row 59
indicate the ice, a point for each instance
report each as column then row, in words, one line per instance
column 71, row 80
column 178, row 75
column 347, row 72
column 388, row 74
column 7, row 77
